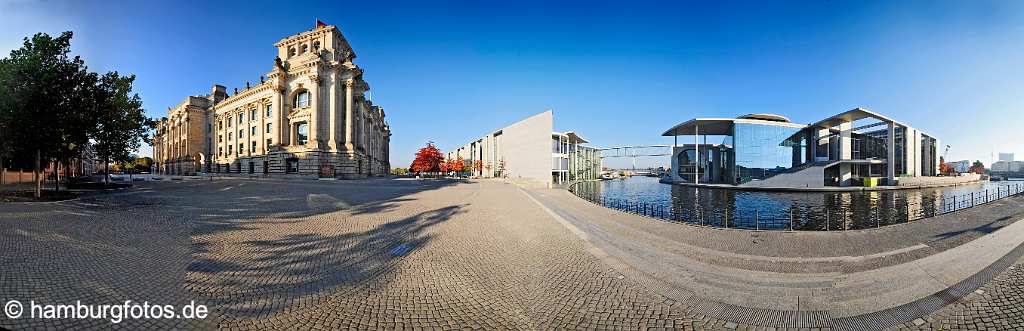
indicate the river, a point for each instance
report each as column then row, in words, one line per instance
column 828, row 211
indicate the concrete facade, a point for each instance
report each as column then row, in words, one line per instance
column 530, row 151
column 310, row 117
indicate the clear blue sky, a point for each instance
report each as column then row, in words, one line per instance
column 618, row 72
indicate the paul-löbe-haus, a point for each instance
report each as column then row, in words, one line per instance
column 308, row 118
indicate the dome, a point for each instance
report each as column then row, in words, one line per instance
column 765, row 117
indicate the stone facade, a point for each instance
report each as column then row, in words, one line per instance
column 310, row 117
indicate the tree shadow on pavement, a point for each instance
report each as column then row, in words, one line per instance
column 301, row 265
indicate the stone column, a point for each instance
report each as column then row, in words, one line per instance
column 262, row 130
column 314, row 112
column 332, row 110
column 349, row 146
column 280, row 127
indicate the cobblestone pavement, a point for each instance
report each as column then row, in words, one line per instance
column 370, row 254
column 998, row 305
column 307, row 255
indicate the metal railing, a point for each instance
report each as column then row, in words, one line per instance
column 800, row 218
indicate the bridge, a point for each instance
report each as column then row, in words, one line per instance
column 634, row 152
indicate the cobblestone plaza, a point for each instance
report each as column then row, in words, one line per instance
column 386, row 254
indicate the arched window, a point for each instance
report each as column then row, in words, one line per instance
column 305, row 48
column 301, row 99
column 291, row 51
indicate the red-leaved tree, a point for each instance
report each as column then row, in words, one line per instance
column 428, row 159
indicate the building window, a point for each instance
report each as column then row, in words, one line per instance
column 252, row 114
column 302, row 99
column 270, row 126
column 220, row 125
column 291, row 51
column 252, row 131
column 229, row 150
column 305, row 48
column 220, row 138
column 316, row 45
column 293, row 166
column 269, row 143
column 270, row 111
column 220, row 152
column 241, row 147
column 241, row 134
column 301, row 133
column 229, row 122
column 252, row 147
column 241, row 118
column 230, row 136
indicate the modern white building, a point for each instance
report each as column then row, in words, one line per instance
column 531, row 152
column 853, row 148
column 1008, row 157
column 1008, row 166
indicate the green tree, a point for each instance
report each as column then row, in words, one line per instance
column 121, row 123
column 42, row 94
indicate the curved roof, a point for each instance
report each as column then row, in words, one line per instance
column 720, row 126
column 765, row 117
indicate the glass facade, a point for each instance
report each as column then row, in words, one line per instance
column 763, row 151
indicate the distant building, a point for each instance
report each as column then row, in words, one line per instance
column 1008, row 157
column 1008, row 166
column 768, row 150
column 531, row 152
column 962, row 166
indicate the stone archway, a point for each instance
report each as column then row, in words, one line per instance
column 200, row 163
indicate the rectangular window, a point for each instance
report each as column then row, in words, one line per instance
column 241, row 134
column 220, row 125
column 269, row 127
column 220, row 151
column 252, row 147
column 241, row 117
column 252, row 114
column 301, row 133
column 241, row 147
column 270, row 111
column 229, row 150
column 269, row 143
column 230, row 136
column 252, row 131
column 293, row 166
column 220, row 138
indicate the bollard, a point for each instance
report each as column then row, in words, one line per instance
column 757, row 224
column 972, row 199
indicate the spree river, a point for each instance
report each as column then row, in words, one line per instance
column 828, row 211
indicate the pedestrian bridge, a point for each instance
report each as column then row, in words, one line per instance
column 636, row 151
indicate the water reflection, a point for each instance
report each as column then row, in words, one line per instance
column 783, row 210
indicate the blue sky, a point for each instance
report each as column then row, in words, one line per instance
column 618, row 72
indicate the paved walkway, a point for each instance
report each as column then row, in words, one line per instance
column 856, row 279
column 374, row 254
